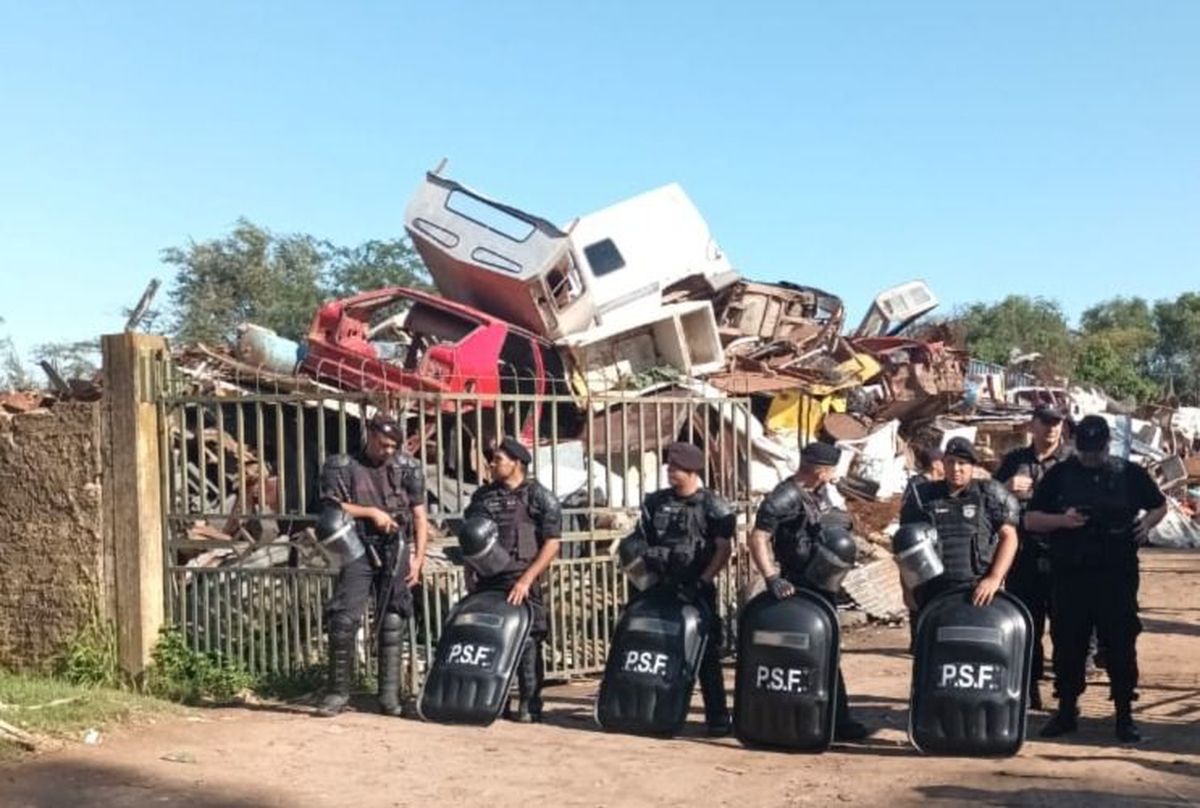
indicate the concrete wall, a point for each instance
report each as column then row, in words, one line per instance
column 55, row 563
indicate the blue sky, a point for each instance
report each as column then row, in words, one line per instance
column 990, row 148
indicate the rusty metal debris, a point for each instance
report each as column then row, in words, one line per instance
column 591, row 340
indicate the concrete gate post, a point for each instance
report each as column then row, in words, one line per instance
column 134, row 490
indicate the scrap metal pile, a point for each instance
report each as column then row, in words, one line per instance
column 638, row 301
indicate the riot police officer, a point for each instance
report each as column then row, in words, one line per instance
column 688, row 530
column 1088, row 507
column 529, row 519
column 976, row 523
column 789, row 520
column 1029, row 579
column 383, row 488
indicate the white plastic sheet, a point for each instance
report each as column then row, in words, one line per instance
column 879, row 459
column 1176, row 529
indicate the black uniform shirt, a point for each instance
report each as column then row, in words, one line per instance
column 1140, row 492
column 792, row 517
column 788, row 506
column 1025, row 461
column 394, row 486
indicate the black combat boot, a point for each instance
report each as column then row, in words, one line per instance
column 529, row 686
column 391, row 638
column 846, row 728
column 850, row 730
column 1127, row 731
column 341, row 657
column 718, row 725
column 1035, row 696
column 1064, row 721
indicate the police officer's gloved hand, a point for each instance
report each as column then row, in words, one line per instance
column 657, row 559
column 779, row 587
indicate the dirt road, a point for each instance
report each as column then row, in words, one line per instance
column 278, row 756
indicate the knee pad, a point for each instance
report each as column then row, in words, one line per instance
column 391, row 630
column 342, row 624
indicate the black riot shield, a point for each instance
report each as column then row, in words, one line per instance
column 475, row 658
column 970, row 682
column 787, row 667
column 652, row 665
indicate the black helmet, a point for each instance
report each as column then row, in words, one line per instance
column 476, row 533
column 916, row 551
column 840, row 542
column 832, row 559
column 479, row 539
column 910, row 535
column 336, row 532
column 332, row 521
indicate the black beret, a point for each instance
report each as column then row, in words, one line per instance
column 820, row 454
column 513, row 448
column 385, row 425
column 962, row 449
column 685, row 456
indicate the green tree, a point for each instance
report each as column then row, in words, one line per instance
column 276, row 281
column 1177, row 353
column 250, row 275
column 1018, row 325
column 1116, row 348
column 373, row 265
column 1104, row 362
column 1123, row 313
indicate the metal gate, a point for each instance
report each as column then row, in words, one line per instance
column 240, row 459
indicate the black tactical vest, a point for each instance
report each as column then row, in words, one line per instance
column 511, row 511
column 383, row 487
column 682, row 524
column 966, row 542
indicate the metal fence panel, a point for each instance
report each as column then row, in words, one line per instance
column 247, row 464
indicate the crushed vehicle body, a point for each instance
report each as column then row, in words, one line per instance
column 498, row 259
column 750, row 313
column 556, row 282
column 400, row 339
column 674, row 340
column 896, row 308
column 633, row 250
